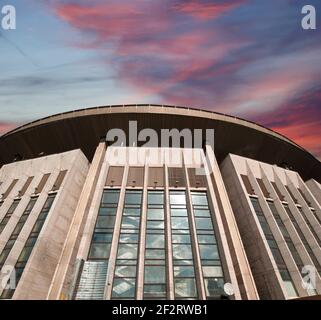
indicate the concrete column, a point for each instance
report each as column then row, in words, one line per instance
column 211, row 168
column 68, row 254
column 142, row 239
column 195, row 247
column 168, row 241
column 240, row 261
column 315, row 189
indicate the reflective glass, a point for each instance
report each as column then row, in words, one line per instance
column 127, row 251
column 155, row 214
column 129, row 222
column 176, row 199
column 155, row 241
column 125, row 271
column 214, row 287
column 209, row 251
column 154, row 274
column 182, row 251
column 204, row 223
column 181, row 238
column 123, row 288
column 180, row 223
column 185, row 288
column 184, row 271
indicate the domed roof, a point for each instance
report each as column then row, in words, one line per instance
column 84, row 128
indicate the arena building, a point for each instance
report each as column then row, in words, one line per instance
column 233, row 217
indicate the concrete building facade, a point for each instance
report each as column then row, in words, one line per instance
column 81, row 219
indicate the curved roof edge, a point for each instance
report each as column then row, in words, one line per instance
column 202, row 113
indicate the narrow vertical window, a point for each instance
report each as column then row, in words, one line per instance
column 284, row 273
column 183, row 262
column 14, row 235
column 209, row 252
column 8, row 215
column 316, row 236
column 124, row 284
column 303, row 239
column 29, row 245
column 104, row 228
column 155, row 272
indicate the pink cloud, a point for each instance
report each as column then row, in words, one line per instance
column 207, row 11
column 7, row 126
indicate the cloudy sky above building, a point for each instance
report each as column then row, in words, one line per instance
column 245, row 58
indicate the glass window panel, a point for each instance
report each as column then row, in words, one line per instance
column 277, row 256
column 201, row 213
column 133, row 198
column 154, row 254
column 156, row 198
column 155, row 224
column 127, row 251
column 110, row 197
column 128, row 238
column 180, row 223
column 209, row 251
column 25, row 253
column 154, row 290
column 212, row 271
column 110, row 211
column 105, row 221
column 102, row 237
column 124, row 288
column 199, row 199
column 31, row 241
column 3, row 256
column 125, row 271
column 37, row 227
column 177, row 199
column 290, row 290
column 214, row 287
column 31, row 204
column 208, row 232
column 185, row 288
column 206, row 239
column 155, row 214
column 182, row 251
column 184, row 271
column 99, row 251
column 181, row 238
column 132, row 211
column 183, row 262
column 204, row 223
column 126, row 262
column 211, row 262
column 49, row 202
column 179, row 212
column 130, row 222
column 155, row 241
column 154, row 274
column 154, row 262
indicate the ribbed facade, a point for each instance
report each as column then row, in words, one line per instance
column 137, row 223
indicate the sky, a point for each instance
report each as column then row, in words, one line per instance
column 245, row 58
